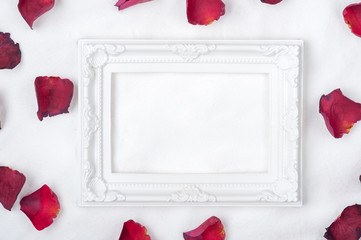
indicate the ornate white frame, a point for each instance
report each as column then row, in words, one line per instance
column 282, row 60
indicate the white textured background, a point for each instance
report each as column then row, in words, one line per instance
column 46, row 152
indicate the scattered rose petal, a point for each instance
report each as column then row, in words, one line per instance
column 32, row 9
column 211, row 229
column 54, row 95
column 41, row 207
column 347, row 226
column 10, row 55
column 204, row 12
column 271, row 1
column 0, row 119
column 123, row 4
column 339, row 112
column 133, row 231
column 11, row 183
column 352, row 17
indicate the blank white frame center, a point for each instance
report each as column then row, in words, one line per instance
column 190, row 123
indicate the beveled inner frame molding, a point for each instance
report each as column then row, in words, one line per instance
column 197, row 123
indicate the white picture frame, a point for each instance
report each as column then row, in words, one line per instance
column 104, row 99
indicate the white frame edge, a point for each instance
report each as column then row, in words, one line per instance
column 286, row 60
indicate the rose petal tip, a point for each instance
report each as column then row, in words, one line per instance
column 123, row 4
column 53, row 95
column 204, row 12
column 272, row 2
column 31, row 10
column 10, row 54
column 41, row 207
column 347, row 226
column 352, row 17
column 133, row 231
column 11, row 183
column 211, row 229
column 339, row 112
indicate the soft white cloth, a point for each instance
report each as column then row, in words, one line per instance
column 46, row 152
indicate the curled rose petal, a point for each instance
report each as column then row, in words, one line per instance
column 133, row 231
column 352, row 17
column 204, row 12
column 54, row 95
column 211, row 229
column 41, row 207
column 0, row 116
column 123, row 4
column 339, row 112
column 271, row 1
column 11, row 183
column 32, row 9
column 347, row 226
column 10, row 55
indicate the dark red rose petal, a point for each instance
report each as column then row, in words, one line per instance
column 204, row 12
column 211, row 229
column 54, row 95
column 339, row 112
column 271, row 1
column 10, row 55
column 41, row 207
column 32, row 9
column 347, row 226
column 352, row 17
column 0, row 119
column 11, row 183
column 123, row 4
column 133, row 231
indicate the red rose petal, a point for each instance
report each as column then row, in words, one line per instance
column 10, row 55
column 271, row 1
column 41, row 207
column 32, row 9
column 352, row 17
column 339, row 112
column 211, row 229
column 11, row 183
column 347, row 226
column 134, row 231
column 54, row 95
column 123, row 4
column 204, row 12
column 0, row 116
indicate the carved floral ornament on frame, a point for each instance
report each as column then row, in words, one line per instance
column 280, row 186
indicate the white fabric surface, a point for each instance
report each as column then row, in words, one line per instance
column 46, row 152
